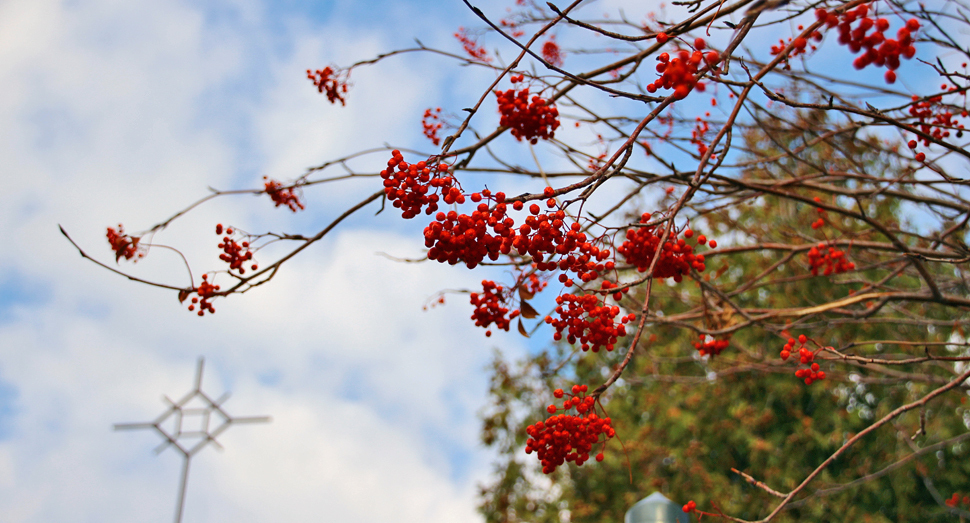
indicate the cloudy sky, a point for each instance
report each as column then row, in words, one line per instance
column 120, row 111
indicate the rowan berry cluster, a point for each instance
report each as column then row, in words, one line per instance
column 529, row 119
column 805, row 357
column 828, row 258
column 587, row 320
column 544, row 236
column 565, row 437
column 691, row 506
column 879, row 50
column 331, row 80
column 676, row 257
column 282, row 196
column 711, row 346
column 934, row 119
column 532, row 284
column 551, row 52
column 235, row 253
column 408, row 186
column 680, row 73
column 124, row 246
column 431, row 124
column 489, row 309
column 475, row 51
column 454, row 237
column 697, row 135
column 205, row 291
column 956, row 500
column 800, row 45
column 820, row 222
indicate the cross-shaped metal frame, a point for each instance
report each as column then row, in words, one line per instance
column 178, row 411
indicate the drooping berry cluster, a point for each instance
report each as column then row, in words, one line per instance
column 710, row 346
column 878, row 50
column 934, row 119
column 475, row 51
column 454, row 238
column 235, row 253
column 332, row 81
column 123, row 245
column 587, row 320
column 489, row 307
column 282, row 195
column 529, row 119
column 547, row 236
column 680, row 73
column 828, row 258
column 676, row 257
column 820, row 222
column 407, row 186
column 205, row 291
column 800, row 45
column 955, row 500
column 806, row 357
column 552, row 53
column 431, row 124
column 565, row 437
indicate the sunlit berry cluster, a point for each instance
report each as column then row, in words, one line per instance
column 587, row 320
column 708, row 346
column 489, row 307
column 282, row 195
column 828, row 259
column 205, row 291
column 546, row 236
column 811, row 372
column 123, row 245
column 485, row 233
column 234, row 252
column 552, row 53
column 431, row 124
column 331, row 81
column 877, row 49
column 475, row 51
column 528, row 118
column 680, row 72
column 565, row 438
column 676, row 257
column 411, row 187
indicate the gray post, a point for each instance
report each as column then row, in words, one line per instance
column 655, row 508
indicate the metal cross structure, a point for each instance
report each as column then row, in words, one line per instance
column 189, row 425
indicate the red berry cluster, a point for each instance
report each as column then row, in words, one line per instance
column 676, row 258
column 805, row 357
column 123, row 245
column 934, row 119
column 567, row 437
column 691, row 506
column 879, row 50
column 234, row 253
column 431, row 124
column 471, row 46
column 408, row 187
column 454, row 237
column 800, row 45
column 205, row 292
column 282, row 196
column 513, row 27
column 832, row 259
column 544, row 236
column 551, row 52
column 711, row 346
column 680, row 73
column 589, row 321
column 697, row 135
column 528, row 119
column 956, row 500
column 820, row 222
column 532, row 284
column 489, row 309
column 333, row 81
